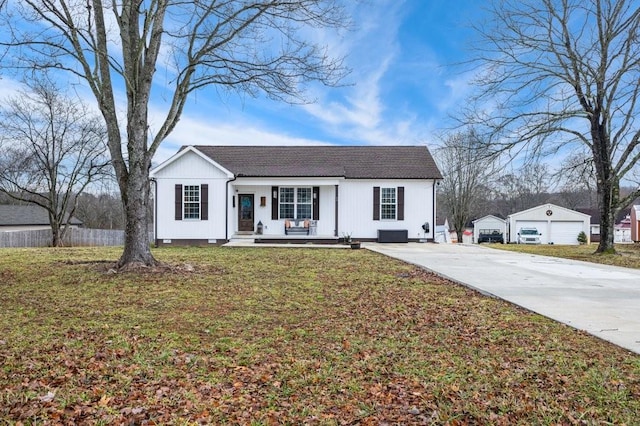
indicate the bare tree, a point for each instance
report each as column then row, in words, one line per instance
column 522, row 188
column 467, row 167
column 51, row 148
column 252, row 47
column 577, row 182
column 102, row 210
column 559, row 74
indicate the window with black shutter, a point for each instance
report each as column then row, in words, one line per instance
column 376, row 203
column 401, row 203
column 274, row 202
column 178, row 202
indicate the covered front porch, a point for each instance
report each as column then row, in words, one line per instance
column 283, row 210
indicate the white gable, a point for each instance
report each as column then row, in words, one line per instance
column 190, row 164
column 549, row 212
column 489, row 218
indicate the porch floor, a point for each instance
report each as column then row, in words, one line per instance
column 251, row 239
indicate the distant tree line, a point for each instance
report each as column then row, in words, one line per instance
column 102, row 210
column 478, row 183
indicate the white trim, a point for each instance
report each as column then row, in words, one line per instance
column 267, row 181
column 490, row 216
column 296, row 203
column 192, row 149
column 185, row 202
column 550, row 207
column 394, row 204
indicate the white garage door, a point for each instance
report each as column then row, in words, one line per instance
column 540, row 225
column 565, row 232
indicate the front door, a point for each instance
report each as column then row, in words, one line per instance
column 245, row 213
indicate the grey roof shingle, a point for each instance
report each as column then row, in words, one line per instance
column 26, row 215
column 352, row 162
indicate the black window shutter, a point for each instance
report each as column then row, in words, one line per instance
column 274, row 203
column 401, row 203
column 376, row 203
column 316, row 203
column 178, row 200
column 204, row 201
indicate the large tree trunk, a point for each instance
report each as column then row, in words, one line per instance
column 607, row 184
column 608, row 197
column 135, row 194
column 56, row 238
column 137, row 248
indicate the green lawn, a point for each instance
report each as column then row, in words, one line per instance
column 628, row 255
column 263, row 336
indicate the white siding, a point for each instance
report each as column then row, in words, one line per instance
column 489, row 222
column 622, row 235
column 170, row 228
column 191, row 169
column 355, row 199
column 554, row 222
column 191, row 166
column 565, row 232
column 356, row 208
column 260, row 213
column 325, row 224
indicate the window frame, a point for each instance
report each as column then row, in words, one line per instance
column 295, row 203
column 188, row 204
column 385, row 203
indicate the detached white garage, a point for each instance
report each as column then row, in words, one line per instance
column 557, row 225
column 488, row 224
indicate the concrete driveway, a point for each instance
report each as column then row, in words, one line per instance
column 602, row 300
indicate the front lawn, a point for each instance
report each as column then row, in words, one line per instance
column 266, row 336
column 627, row 255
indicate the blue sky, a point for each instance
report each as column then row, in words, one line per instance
column 403, row 86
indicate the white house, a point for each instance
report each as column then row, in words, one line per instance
column 622, row 231
column 209, row 194
column 443, row 232
column 489, row 223
column 557, row 225
column 595, row 223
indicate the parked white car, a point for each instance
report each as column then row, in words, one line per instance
column 529, row 236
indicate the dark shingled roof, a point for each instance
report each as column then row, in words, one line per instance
column 26, row 215
column 352, row 162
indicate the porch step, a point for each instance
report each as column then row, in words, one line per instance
column 297, row 239
column 235, row 241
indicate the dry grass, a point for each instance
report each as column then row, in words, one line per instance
column 287, row 336
column 627, row 255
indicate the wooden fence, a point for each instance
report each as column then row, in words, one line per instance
column 74, row 237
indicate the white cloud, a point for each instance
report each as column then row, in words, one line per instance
column 9, row 87
column 194, row 131
column 458, row 89
column 357, row 112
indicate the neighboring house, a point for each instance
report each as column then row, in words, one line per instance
column 209, row 194
column 557, row 225
column 27, row 217
column 622, row 227
column 595, row 224
column 635, row 223
column 443, row 233
column 622, row 230
column 487, row 224
column 467, row 236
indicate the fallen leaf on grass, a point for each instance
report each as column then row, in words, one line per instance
column 48, row 397
column 104, row 401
